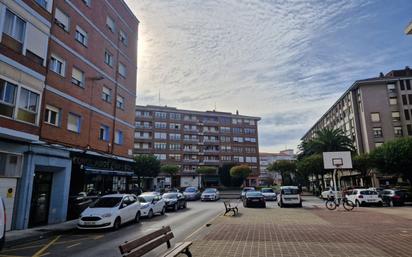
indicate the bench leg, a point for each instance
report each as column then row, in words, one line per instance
column 187, row 252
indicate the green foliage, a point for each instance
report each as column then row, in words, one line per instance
column 394, row 157
column 170, row 169
column 286, row 168
column 311, row 165
column 363, row 164
column 224, row 174
column 240, row 171
column 146, row 166
column 206, row 170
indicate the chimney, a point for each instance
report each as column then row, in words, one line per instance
column 407, row 68
column 237, row 112
column 381, row 75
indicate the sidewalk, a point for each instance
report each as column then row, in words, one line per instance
column 308, row 232
column 16, row 237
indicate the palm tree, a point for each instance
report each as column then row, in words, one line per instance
column 327, row 140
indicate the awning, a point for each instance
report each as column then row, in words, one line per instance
column 108, row 172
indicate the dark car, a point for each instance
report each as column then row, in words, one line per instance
column 174, row 201
column 254, row 199
column 191, row 193
column 393, row 197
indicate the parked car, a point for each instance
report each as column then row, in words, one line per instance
column 110, row 211
column 151, row 204
column 174, row 201
column 289, row 195
column 328, row 193
column 254, row 199
column 269, row 194
column 2, row 223
column 210, row 194
column 393, row 197
column 191, row 193
column 363, row 197
column 244, row 190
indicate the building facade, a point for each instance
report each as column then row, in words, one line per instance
column 266, row 159
column 192, row 139
column 67, row 97
column 371, row 112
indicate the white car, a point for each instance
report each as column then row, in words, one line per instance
column 328, row 193
column 268, row 194
column 289, row 195
column 364, row 197
column 110, row 211
column 244, row 190
column 151, row 204
column 2, row 223
column 210, row 194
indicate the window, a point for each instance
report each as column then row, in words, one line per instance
column 122, row 70
column 110, row 24
column 120, row 102
column 52, row 115
column 174, row 146
column 104, row 133
column 410, row 99
column 77, row 77
column 226, row 158
column 249, row 131
column 57, row 65
column 404, row 100
column 123, row 37
column 396, row 116
column 225, row 129
column 106, row 94
column 250, row 139
column 393, row 100
column 28, row 105
column 225, row 139
column 402, row 84
column 73, row 122
column 378, row 144
column 118, row 137
column 397, row 131
column 175, row 126
column 14, row 26
column 159, row 135
column 407, row 115
column 238, row 158
column 175, row 116
column 108, row 58
column 377, row 132
column 408, row 84
column 238, row 139
column 42, row 3
column 174, row 136
column 61, row 19
column 161, row 125
column 161, row 115
column 160, row 156
column 237, row 130
column 176, row 157
column 409, row 128
column 87, row 2
column 375, row 117
column 81, row 36
column 7, row 98
column 391, row 88
column 251, row 159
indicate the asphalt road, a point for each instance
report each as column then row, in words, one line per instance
column 105, row 243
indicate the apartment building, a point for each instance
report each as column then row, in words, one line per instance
column 372, row 111
column 192, row 139
column 67, row 96
column 266, row 159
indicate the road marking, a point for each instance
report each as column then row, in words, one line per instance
column 44, row 254
column 4, row 255
column 21, row 248
column 198, row 229
column 40, row 252
column 70, row 246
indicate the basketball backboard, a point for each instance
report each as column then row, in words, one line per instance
column 337, row 160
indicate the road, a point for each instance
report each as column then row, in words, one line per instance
column 105, row 243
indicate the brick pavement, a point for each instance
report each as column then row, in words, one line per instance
column 307, row 232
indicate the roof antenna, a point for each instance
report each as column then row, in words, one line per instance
column 215, row 106
column 159, row 96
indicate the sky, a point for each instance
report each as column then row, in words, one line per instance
column 286, row 61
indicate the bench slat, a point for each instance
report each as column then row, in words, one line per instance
column 150, row 246
column 129, row 246
column 178, row 249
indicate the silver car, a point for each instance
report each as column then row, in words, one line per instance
column 210, row 194
column 191, row 193
column 268, row 194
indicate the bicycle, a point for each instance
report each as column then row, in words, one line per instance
column 332, row 203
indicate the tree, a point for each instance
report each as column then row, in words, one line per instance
column 394, row 157
column 312, row 165
column 240, row 173
column 224, row 174
column 146, row 166
column 326, row 140
column 172, row 170
column 285, row 168
column 363, row 164
column 206, row 170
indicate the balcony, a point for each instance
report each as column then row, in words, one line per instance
column 190, row 161
column 208, row 141
column 211, row 161
column 143, row 127
column 194, row 140
column 143, row 138
column 144, row 117
column 211, row 131
column 211, row 151
column 187, row 150
column 211, row 122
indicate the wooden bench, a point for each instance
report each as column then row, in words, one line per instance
column 230, row 208
column 145, row 244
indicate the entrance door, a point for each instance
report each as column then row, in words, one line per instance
column 40, row 200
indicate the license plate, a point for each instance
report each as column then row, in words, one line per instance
column 255, row 200
column 89, row 223
column 370, row 200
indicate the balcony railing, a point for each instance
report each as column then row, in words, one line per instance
column 210, row 141
column 191, row 150
column 210, row 161
column 191, row 140
column 144, row 127
column 190, row 161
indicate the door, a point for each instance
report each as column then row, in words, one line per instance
column 40, row 200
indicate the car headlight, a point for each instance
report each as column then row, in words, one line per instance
column 106, row 215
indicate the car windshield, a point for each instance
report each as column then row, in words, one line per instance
column 146, row 198
column 107, row 202
column 290, row 191
column 170, row 196
column 210, row 190
column 267, row 190
column 253, row 193
column 248, row 189
column 190, row 189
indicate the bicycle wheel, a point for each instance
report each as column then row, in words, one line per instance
column 348, row 205
column 331, row 205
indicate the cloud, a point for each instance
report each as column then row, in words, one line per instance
column 285, row 61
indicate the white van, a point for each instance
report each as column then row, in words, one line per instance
column 2, row 223
column 289, row 195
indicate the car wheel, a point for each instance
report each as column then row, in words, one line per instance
column 391, row 203
column 163, row 211
column 358, row 204
column 185, row 205
column 176, row 207
column 150, row 214
column 137, row 217
column 117, row 223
